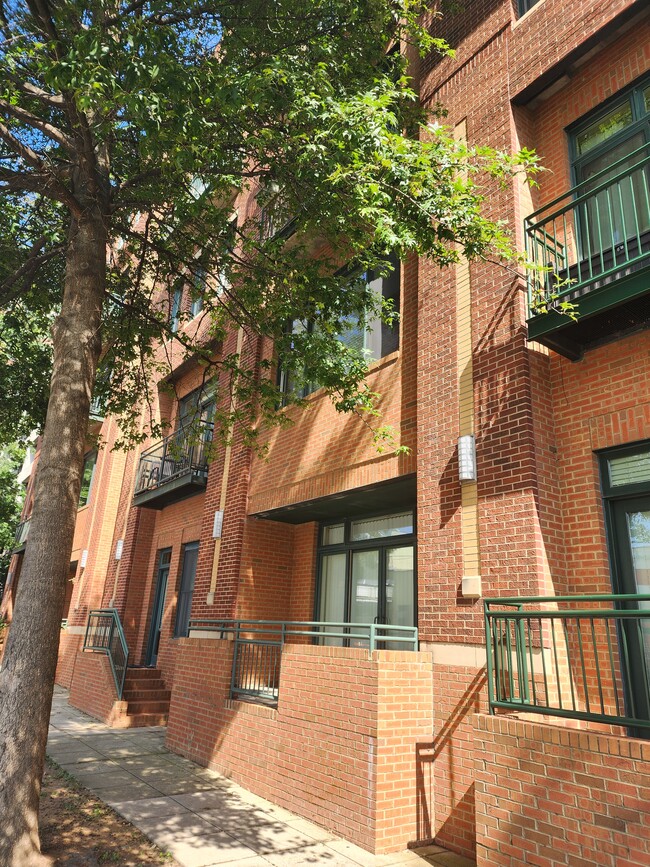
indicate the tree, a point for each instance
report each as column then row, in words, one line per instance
column 130, row 127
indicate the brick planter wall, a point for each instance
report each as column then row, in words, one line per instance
column 550, row 796
column 93, row 689
column 341, row 747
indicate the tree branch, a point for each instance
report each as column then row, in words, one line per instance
column 27, row 270
column 55, row 100
column 36, row 123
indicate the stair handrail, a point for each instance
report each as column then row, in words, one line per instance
column 104, row 634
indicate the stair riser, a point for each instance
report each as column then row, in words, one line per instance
column 147, row 694
column 137, row 707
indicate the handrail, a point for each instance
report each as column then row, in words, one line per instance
column 588, row 658
column 370, row 633
column 184, row 451
column 257, row 654
column 594, row 233
column 104, row 634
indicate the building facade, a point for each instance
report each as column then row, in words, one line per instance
column 314, row 624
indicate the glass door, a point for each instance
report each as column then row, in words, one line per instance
column 186, row 589
column 164, row 562
column 631, row 543
column 367, row 575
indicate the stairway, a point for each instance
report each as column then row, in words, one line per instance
column 147, row 698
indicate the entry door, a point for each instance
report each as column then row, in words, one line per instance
column 164, row 561
column 631, row 544
column 186, row 589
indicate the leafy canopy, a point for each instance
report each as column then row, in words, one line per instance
column 163, row 114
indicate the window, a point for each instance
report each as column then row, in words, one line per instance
column 196, row 407
column 276, row 220
column 525, row 5
column 175, row 314
column 616, row 136
column 625, row 478
column 366, row 571
column 375, row 339
column 87, row 476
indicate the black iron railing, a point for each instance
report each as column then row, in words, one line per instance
column 22, row 531
column 580, row 657
column 185, row 452
column 592, row 235
column 257, row 655
column 104, row 634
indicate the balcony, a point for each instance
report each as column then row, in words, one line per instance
column 591, row 248
column 22, row 531
column 175, row 468
column 578, row 657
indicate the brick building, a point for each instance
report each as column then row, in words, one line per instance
column 369, row 729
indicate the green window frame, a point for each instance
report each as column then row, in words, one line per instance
column 617, row 134
column 614, row 122
column 339, row 539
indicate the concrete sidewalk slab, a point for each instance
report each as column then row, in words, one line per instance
column 198, row 816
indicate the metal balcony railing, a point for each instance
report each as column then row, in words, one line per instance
column 580, row 657
column 593, row 235
column 22, row 532
column 104, row 634
column 257, row 655
column 185, row 452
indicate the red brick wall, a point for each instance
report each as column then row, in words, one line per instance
column 553, row 29
column 459, row 692
column 341, row 747
column 550, row 796
column 93, row 689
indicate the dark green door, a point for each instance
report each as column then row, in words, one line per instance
column 631, row 552
column 164, row 561
column 186, row 589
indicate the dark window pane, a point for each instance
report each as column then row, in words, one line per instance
column 87, row 477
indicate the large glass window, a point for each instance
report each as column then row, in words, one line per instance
column 625, row 476
column 366, row 572
column 374, row 338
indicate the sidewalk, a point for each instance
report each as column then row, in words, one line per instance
column 199, row 816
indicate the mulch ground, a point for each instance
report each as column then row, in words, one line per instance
column 78, row 830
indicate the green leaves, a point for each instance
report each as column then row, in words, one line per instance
column 295, row 96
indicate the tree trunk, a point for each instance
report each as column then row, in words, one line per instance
column 29, row 665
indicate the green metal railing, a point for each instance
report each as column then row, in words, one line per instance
column 592, row 235
column 104, row 634
column 580, row 657
column 257, row 655
column 186, row 451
